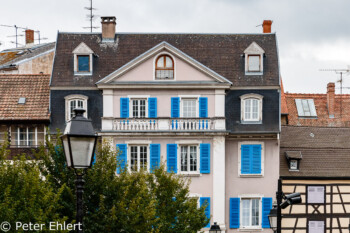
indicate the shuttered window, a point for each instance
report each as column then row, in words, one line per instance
column 306, row 107
column 251, row 159
column 206, row 201
column 315, row 194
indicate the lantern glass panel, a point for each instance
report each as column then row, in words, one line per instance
column 66, row 150
column 82, row 149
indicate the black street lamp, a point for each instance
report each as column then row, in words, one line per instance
column 215, row 228
column 273, row 218
column 79, row 142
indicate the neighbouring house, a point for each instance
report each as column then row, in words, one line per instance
column 205, row 105
column 29, row 59
column 315, row 162
column 24, row 111
column 314, row 158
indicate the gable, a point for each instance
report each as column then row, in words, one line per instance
column 82, row 48
column 254, row 48
column 145, row 72
column 142, row 68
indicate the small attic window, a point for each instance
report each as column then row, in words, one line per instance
column 164, row 67
column 83, row 63
column 22, row 100
column 254, row 56
column 293, row 159
column 306, row 107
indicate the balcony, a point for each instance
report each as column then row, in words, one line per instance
column 163, row 124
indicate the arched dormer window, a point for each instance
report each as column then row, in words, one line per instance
column 164, row 67
column 251, row 108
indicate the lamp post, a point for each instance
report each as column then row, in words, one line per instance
column 273, row 218
column 214, row 228
column 79, row 142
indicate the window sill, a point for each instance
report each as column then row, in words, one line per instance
column 307, row 117
column 253, row 73
column 77, row 73
column 293, row 170
column 250, row 229
column 251, row 122
column 190, row 174
column 251, row 175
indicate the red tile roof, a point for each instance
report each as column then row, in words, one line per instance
column 341, row 110
column 35, row 88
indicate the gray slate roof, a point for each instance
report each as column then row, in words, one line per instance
column 220, row 52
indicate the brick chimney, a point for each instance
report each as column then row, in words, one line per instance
column 29, row 37
column 331, row 99
column 267, row 26
column 108, row 28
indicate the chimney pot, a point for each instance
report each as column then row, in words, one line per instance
column 331, row 99
column 267, row 26
column 29, row 36
column 108, row 28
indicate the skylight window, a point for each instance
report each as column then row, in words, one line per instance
column 306, row 107
column 22, row 100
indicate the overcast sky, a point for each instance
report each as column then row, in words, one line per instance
column 312, row 34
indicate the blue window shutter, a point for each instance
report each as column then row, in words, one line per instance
column 266, row 207
column 93, row 159
column 154, row 156
column 205, row 157
column 245, row 159
column 152, row 107
column 203, row 107
column 175, row 107
column 172, row 157
column 203, row 201
column 124, row 107
column 256, row 159
column 122, row 157
column 234, row 212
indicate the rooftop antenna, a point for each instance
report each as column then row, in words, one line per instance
column 341, row 72
column 39, row 37
column 91, row 16
column 16, row 28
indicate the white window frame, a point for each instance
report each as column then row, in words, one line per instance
column 260, row 107
column 154, row 66
column 27, row 137
column 75, row 97
column 316, row 187
column 254, row 50
column 196, row 195
column 138, row 143
column 196, row 97
column 250, row 196
column 188, row 156
column 82, row 50
column 138, row 97
column 262, row 158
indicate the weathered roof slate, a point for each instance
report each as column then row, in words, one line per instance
column 35, row 88
column 222, row 53
column 325, row 151
column 13, row 56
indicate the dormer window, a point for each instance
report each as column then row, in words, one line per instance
column 254, row 59
column 83, row 63
column 83, row 58
column 293, row 159
column 164, row 67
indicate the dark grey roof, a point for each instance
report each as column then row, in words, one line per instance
column 325, row 151
column 293, row 155
column 220, row 52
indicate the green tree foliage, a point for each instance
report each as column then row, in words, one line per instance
column 25, row 195
column 137, row 202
